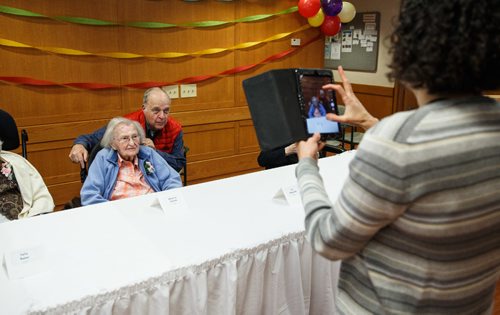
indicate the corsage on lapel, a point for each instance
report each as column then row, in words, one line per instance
column 149, row 167
column 7, row 170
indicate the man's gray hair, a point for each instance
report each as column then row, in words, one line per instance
column 109, row 134
column 148, row 92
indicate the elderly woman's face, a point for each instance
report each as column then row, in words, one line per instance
column 126, row 141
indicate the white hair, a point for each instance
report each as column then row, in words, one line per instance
column 107, row 138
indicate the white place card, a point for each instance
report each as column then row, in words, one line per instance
column 289, row 195
column 172, row 200
column 25, row 262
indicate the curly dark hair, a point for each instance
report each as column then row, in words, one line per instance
column 449, row 46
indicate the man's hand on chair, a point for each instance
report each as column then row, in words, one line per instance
column 79, row 154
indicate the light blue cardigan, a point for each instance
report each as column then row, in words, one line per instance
column 103, row 173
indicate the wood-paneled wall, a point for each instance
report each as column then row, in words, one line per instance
column 217, row 124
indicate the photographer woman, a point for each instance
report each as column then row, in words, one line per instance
column 417, row 224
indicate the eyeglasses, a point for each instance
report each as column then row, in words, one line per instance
column 126, row 139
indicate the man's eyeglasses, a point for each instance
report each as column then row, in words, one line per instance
column 126, row 139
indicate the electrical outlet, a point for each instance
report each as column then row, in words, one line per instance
column 188, row 90
column 171, row 90
column 295, row 41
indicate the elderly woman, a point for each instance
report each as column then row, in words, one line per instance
column 22, row 190
column 124, row 168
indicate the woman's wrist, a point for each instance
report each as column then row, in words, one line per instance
column 368, row 122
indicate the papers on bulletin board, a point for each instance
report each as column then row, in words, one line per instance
column 355, row 47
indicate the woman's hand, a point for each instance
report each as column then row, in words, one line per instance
column 310, row 148
column 355, row 113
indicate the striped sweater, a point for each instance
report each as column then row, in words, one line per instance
column 417, row 223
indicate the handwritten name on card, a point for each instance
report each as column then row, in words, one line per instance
column 25, row 262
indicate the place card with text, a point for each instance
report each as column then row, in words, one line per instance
column 289, row 195
column 25, row 262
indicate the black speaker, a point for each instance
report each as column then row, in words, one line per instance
column 274, row 105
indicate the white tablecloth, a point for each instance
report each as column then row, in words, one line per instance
column 234, row 250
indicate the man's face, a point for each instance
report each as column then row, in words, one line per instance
column 156, row 110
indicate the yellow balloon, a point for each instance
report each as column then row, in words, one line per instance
column 318, row 19
column 348, row 12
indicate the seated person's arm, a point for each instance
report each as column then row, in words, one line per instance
column 42, row 200
column 175, row 159
column 281, row 156
column 168, row 177
column 310, row 114
column 95, row 186
column 322, row 109
column 36, row 196
column 83, row 144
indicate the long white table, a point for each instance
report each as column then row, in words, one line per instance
column 232, row 250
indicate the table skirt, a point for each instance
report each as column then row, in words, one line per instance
column 282, row 276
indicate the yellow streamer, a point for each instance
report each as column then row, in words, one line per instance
column 11, row 43
column 163, row 55
column 119, row 55
column 64, row 51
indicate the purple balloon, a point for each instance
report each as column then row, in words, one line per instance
column 331, row 7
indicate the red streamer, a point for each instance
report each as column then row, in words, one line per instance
column 146, row 85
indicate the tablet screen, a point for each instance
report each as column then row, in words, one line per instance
column 317, row 102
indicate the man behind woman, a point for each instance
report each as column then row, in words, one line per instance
column 125, row 168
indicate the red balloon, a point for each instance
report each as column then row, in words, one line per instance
column 309, row 8
column 331, row 25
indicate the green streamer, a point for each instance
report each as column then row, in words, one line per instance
column 20, row 12
column 85, row 21
column 150, row 25
column 204, row 24
column 95, row 22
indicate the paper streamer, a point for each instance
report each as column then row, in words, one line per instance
column 163, row 55
column 144, row 85
column 151, row 25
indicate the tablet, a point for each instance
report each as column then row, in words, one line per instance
column 315, row 102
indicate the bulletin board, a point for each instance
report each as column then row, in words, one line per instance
column 355, row 47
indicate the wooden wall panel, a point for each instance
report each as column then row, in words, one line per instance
column 247, row 137
column 210, row 141
column 377, row 99
column 220, row 167
column 217, row 123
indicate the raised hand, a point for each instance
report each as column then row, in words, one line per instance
column 355, row 113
